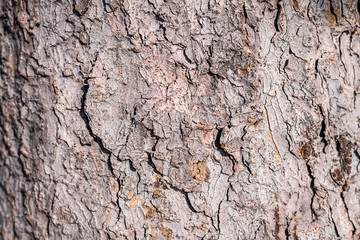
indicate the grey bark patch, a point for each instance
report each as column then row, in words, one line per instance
column 179, row 119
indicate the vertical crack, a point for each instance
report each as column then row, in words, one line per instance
column 344, row 188
column 86, row 119
column 332, row 11
column 152, row 165
column 276, row 22
column 186, row 194
column 334, row 223
column 118, row 199
column 287, row 234
column 245, row 13
column 246, row 164
column 323, row 129
column 340, row 51
column 49, row 217
column 222, row 151
column 358, row 157
column 277, row 154
column 313, row 189
column 188, row 202
column 187, row 199
column 218, row 217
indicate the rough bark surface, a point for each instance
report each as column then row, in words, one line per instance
column 179, row 119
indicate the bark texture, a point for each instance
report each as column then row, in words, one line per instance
column 179, row 119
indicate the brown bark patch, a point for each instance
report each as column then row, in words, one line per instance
column 150, row 211
column 337, row 175
column 344, row 149
column 306, row 151
column 166, row 232
column 200, row 171
column 157, row 192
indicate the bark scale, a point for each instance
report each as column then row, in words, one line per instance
column 193, row 119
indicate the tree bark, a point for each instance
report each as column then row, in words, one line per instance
column 190, row 119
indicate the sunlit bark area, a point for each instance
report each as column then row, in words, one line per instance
column 179, row 119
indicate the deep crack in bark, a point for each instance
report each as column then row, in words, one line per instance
column 222, row 151
column 322, row 133
column 313, row 189
column 86, row 119
column 334, row 223
column 343, row 189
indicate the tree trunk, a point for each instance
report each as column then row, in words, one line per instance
column 192, row 119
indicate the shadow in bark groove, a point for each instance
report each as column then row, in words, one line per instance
column 313, row 188
column 86, row 119
column 222, row 151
